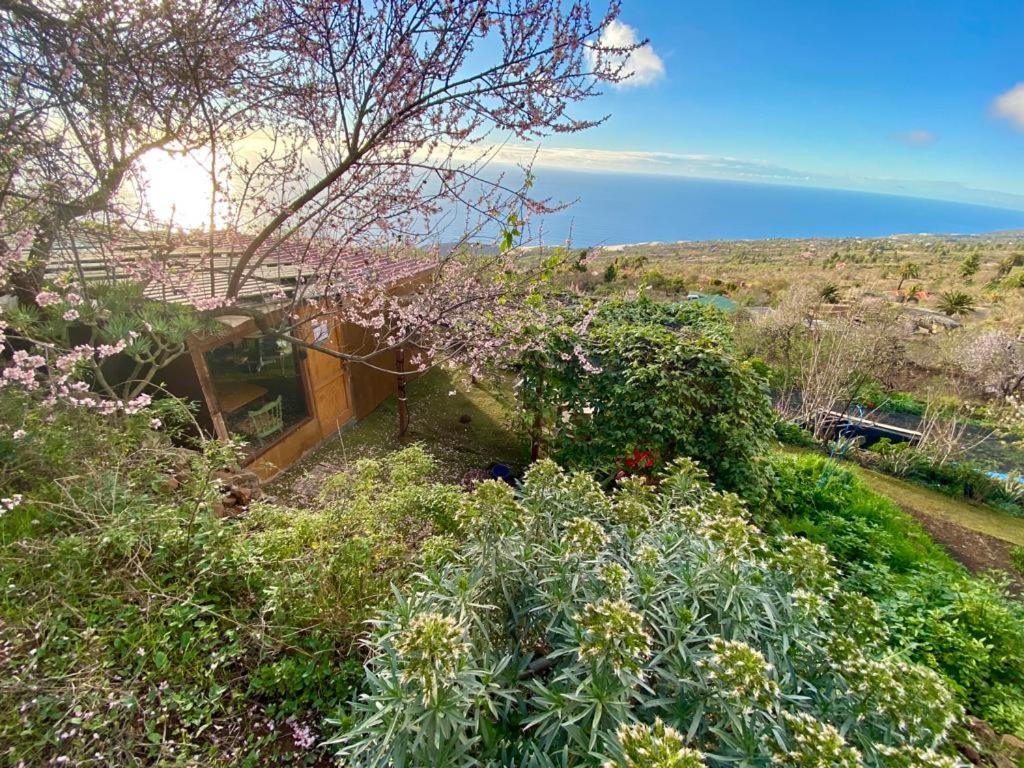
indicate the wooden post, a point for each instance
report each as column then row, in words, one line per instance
column 220, row 426
column 403, row 406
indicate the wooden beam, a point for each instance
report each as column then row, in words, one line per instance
column 209, row 392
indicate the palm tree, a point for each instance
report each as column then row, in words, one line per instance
column 970, row 265
column 954, row 303
column 829, row 293
column 909, row 270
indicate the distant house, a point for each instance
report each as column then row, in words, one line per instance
column 282, row 399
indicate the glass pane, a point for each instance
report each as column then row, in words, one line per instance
column 259, row 388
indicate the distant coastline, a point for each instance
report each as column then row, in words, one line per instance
column 616, row 210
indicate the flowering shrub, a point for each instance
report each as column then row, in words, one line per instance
column 139, row 628
column 102, row 351
column 566, row 632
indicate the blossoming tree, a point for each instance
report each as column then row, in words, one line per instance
column 345, row 140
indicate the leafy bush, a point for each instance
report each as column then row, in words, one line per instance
column 138, row 627
column 961, row 479
column 1017, row 558
column 652, row 627
column 875, row 395
column 642, row 383
column 900, row 458
column 968, row 629
column 674, row 284
column 789, row 433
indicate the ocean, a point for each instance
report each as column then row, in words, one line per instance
column 612, row 208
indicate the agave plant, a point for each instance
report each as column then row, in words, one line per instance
column 648, row 628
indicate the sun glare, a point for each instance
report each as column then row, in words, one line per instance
column 177, row 190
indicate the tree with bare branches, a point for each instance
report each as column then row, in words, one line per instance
column 90, row 87
column 379, row 149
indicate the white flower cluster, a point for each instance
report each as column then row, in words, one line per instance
column 739, row 673
column 9, row 503
column 912, row 696
column 614, row 633
column 585, row 536
column 814, row 744
column 431, row 649
column 657, row 746
column 614, row 577
column 915, row 757
column 807, row 563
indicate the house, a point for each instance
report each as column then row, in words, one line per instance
column 281, row 398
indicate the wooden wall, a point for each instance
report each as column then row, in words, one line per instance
column 370, row 387
column 367, row 389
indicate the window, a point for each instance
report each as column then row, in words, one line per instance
column 259, row 388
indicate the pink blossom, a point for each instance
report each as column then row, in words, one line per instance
column 7, row 504
column 47, row 298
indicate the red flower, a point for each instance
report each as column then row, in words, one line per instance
column 640, row 459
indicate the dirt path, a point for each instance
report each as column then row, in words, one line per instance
column 980, row 538
column 977, row 551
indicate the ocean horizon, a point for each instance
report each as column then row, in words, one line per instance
column 617, row 208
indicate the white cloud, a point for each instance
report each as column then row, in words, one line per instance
column 918, row 138
column 728, row 168
column 643, row 66
column 1010, row 105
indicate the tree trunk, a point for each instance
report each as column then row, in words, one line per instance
column 403, row 405
column 29, row 282
column 536, row 430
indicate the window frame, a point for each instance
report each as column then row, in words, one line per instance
column 199, row 346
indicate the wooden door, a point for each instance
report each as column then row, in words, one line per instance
column 328, row 379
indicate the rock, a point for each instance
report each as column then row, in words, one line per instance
column 242, row 486
column 972, row 755
column 1011, row 743
column 167, row 484
column 243, row 494
column 981, row 730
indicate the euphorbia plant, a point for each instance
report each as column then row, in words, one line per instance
column 651, row 627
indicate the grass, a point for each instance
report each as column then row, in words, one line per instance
column 970, row 515
column 466, row 430
column 964, row 513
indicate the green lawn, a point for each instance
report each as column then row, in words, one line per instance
column 466, row 430
column 969, row 515
column 911, row 496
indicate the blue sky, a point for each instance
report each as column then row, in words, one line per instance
column 896, row 97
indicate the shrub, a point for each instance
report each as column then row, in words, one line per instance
column 575, row 628
column 643, row 383
column 968, row 629
column 138, row 627
column 899, row 458
column 1017, row 558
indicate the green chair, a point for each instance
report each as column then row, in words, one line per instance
column 264, row 421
